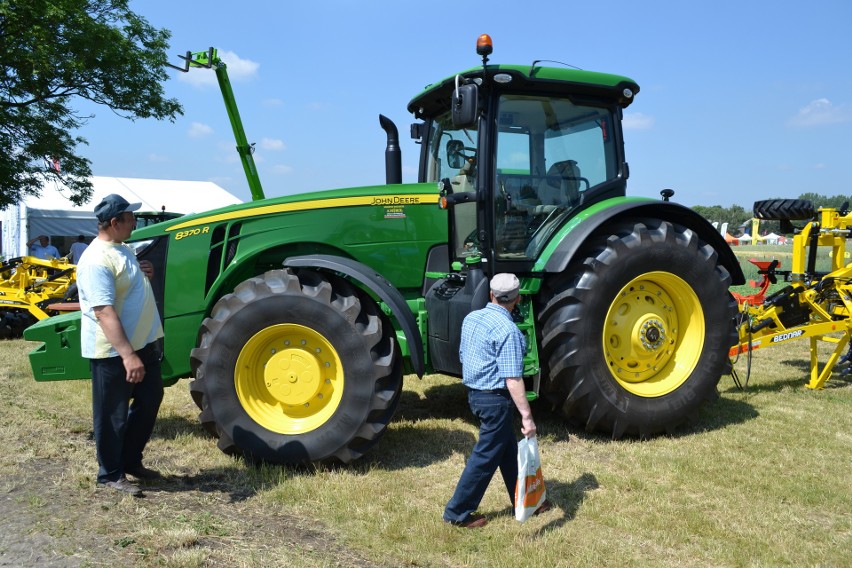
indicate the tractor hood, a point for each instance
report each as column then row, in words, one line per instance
column 366, row 195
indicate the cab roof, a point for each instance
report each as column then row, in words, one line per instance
column 435, row 97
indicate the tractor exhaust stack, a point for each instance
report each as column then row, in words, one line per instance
column 393, row 154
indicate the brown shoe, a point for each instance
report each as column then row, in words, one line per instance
column 544, row 507
column 473, row 521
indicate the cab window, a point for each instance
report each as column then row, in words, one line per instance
column 550, row 154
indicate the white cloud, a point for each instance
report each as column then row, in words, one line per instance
column 238, row 70
column 637, row 121
column 820, row 112
column 271, row 103
column 272, row 144
column 282, row 169
column 199, row 130
column 157, row 158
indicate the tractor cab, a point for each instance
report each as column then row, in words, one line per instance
column 519, row 150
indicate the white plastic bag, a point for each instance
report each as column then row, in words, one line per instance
column 529, row 490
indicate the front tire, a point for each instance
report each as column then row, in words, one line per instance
column 636, row 333
column 296, row 367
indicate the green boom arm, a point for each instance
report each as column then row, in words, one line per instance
column 210, row 60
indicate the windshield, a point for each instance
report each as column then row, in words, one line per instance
column 550, row 154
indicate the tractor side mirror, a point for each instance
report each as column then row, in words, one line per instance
column 465, row 105
column 455, row 154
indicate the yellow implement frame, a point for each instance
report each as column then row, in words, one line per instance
column 815, row 305
column 28, row 283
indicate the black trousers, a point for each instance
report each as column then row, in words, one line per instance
column 123, row 428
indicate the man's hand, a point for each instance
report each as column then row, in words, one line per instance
column 528, row 427
column 135, row 368
column 147, row 268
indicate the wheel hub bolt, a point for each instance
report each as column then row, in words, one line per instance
column 653, row 334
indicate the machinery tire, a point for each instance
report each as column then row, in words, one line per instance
column 296, row 367
column 784, row 209
column 5, row 328
column 71, row 294
column 14, row 322
column 636, row 331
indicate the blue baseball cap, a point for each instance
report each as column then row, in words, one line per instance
column 112, row 206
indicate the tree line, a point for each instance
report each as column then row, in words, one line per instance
column 739, row 219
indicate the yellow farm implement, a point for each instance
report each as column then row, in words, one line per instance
column 816, row 304
column 28, row 287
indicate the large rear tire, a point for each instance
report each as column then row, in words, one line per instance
column 636, row 332
column 296, row 367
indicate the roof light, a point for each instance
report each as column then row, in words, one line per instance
column 484, row 45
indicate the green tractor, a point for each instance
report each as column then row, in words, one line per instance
column 298, row 316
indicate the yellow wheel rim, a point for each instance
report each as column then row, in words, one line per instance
column 653, row 334
column 289, row 379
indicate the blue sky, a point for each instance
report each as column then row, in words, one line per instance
column 739, row 100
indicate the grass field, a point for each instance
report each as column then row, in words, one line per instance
column 764, row 478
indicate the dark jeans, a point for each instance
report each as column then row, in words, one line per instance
column 496, row 447
column 123, row 428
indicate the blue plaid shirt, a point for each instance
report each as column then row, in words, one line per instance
column 492, row 348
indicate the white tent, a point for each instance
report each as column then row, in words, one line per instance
column 772, row 239
column 745, row 238
column 53, row 215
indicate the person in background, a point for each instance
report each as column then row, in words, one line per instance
column 42, row 249
column 77, row 249
column 119, row 333
column 491, row 352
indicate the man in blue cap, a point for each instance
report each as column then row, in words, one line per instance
column 120, row 328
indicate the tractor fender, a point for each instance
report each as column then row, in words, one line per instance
column 572, row 240
column 381, row 287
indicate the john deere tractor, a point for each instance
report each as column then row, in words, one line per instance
column 297, row 317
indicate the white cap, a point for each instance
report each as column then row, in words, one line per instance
column 505, row 286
